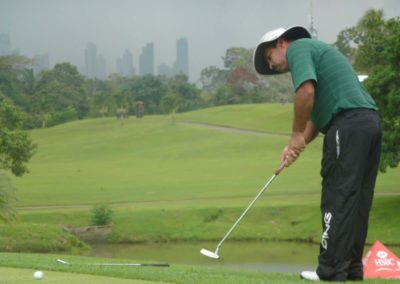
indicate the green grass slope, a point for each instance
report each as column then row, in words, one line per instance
column 196, row 178
column 99, row 160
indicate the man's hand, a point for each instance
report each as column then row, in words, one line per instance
column 292, row 151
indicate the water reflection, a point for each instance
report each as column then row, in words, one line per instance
column 254, row 256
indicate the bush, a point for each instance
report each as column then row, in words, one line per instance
column 101, row 215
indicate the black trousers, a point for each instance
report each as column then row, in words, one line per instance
column 350, row 162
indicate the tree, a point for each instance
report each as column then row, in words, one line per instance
column 12, row 70
column 16, row 149
column 102, row 103
column 59, row 91
column 345, row 43
column 149, row 89
column 236, row 57
column 212, row 77
column 376, row 44
column 384, row 85
column 123, row 102
column 188, row 94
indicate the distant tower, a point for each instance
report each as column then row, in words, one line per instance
column 182, row 57
column 146, row 60
column 125, row 64
column 90, row 60
column 101, row 68
column 313, row 30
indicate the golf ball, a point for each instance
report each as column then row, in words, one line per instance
column 38, row 275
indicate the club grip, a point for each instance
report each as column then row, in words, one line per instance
column 280, row 168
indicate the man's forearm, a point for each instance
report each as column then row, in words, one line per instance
column 310, row 132
column 303, row 105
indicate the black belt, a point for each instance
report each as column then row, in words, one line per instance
column 347, row 113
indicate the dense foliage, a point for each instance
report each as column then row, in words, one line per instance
column 374, row 47
column 16, row 148
column 62, row 94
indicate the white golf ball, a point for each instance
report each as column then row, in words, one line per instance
column 38, row 275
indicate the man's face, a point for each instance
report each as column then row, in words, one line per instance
column 275, row 57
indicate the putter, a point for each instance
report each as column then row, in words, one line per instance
column 115, row 264
column 214, row 254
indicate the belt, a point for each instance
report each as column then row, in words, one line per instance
column 345, row 113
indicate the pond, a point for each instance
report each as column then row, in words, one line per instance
column 253, row 256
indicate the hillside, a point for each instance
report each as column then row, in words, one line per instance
column 154, row 159
column 170, row 180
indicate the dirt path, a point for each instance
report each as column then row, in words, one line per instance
column 232, row 129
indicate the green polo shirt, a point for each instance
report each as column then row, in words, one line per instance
column 337, row 85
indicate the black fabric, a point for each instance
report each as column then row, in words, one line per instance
column 350, row 163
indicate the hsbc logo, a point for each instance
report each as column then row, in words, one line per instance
column 382, row 254
column 382, row 259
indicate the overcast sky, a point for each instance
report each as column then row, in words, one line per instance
column 63, row 28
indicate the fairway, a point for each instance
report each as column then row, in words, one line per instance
column 154, row 160
column 23, row 276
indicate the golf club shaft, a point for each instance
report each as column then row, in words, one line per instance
column 115, row 264
column 280, row 168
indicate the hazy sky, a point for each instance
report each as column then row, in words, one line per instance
column 63, row 28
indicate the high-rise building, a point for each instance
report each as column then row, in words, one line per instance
column 146, row 60
column 5, row 44
column 125, row 64
column 40, row 63
column 101, row 68
column 90, row 60
column 182, row 57
column 95, row 65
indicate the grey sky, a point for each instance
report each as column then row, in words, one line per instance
column 63, row 28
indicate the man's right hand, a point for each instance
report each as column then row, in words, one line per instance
column 292, row 151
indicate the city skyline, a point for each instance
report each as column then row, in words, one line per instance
column 63, row 28
column 94, row 64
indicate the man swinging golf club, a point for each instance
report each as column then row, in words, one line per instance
column 330, row 99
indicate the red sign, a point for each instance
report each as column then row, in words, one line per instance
column 380, row 262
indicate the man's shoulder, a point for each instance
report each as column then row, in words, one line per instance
column 309, row 43
column 307, row 47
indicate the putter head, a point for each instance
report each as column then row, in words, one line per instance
column 62, row 261
column 209, row 253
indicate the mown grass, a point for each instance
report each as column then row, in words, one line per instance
column 173, row 274
column 39, row 237
column 93, row 161
column 271, row 118
column 267, row 221
column 25, row 276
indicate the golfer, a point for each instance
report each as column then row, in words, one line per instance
column 330, row 99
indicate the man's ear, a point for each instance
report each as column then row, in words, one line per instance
column 281, row 41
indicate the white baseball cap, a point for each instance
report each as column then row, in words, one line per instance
column 292, row 33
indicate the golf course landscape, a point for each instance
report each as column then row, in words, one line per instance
column 181, row 178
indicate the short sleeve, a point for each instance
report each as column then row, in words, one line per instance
column 299, row 57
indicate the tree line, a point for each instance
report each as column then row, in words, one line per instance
column 62, row 94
